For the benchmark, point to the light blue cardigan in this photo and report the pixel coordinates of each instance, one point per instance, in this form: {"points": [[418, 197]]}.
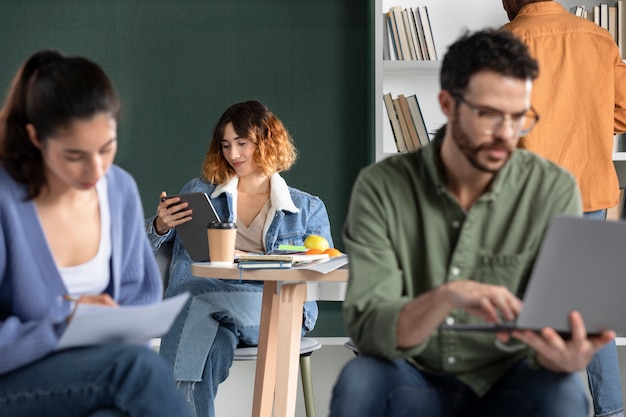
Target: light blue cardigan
{"points": [[32, 311]]}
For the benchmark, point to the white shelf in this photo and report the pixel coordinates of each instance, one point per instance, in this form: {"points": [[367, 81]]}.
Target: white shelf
{"points": [[412, 67]]}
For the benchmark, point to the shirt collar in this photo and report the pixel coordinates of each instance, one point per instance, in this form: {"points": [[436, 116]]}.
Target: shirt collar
{"points": [[542, 7], [279, 192]]}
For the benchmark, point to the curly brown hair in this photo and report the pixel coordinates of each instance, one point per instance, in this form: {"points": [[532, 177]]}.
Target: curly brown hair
{"points": [[251, 119]]}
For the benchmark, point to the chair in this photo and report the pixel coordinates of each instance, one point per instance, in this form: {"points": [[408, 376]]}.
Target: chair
{"points": [[350, 345], [249, 353]]}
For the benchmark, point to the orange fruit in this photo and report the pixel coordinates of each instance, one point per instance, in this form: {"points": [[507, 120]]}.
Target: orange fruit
{"points": [[332, 252], [313, 252]]}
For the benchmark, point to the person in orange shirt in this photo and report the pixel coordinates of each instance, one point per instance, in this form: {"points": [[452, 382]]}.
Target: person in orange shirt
{"points": [[581, 96]]}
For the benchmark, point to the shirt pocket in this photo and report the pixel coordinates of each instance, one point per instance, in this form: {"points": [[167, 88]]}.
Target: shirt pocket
{"points": [[509, 270]]}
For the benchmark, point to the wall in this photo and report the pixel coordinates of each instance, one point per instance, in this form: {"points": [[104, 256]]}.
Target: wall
{"points": [[178, 64]]}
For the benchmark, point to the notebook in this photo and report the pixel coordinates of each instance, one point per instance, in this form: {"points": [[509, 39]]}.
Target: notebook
{"points": [[273, 261], [193, 233], [580, 266]]}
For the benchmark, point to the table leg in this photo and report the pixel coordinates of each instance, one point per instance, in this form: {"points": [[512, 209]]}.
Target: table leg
{"points": [[265, 377], [289, 334]]}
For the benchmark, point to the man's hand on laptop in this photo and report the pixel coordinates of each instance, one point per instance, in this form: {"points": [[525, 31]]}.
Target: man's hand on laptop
{"points": [[560, 355], [489, 302]]}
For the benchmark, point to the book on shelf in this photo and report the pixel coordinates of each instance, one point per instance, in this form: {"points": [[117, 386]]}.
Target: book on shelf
{"points": [[395, 123], [409, 34], [428, 33], [393, 34], [407, 122], [418, 120], [387, 41], [408, 144], [406, 113], [419, 32], [577, 10], [613, 22], [403, 41], [413, 30], [594, 16], [604, 15], [415, 34]]}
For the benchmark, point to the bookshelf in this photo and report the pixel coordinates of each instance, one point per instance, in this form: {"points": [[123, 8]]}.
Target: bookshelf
{"points": [[448, 19]]}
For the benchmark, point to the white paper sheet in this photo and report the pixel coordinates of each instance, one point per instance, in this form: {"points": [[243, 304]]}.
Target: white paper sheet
{"points": [[326, 266], [94, 325]]}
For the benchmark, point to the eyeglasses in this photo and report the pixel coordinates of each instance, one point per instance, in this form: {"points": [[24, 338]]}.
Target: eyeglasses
{"points": [[490, 120]]}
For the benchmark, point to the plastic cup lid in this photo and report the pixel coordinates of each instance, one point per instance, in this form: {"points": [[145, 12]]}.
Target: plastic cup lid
{"points": [[222, 225]]}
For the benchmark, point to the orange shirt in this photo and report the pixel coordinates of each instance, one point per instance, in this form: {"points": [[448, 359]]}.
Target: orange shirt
{"points": [[580, 96]]}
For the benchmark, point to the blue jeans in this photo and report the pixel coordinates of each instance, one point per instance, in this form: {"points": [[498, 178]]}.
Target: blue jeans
{"points": [[110, 380], [374, 387], [603, 370], [230, 313]]}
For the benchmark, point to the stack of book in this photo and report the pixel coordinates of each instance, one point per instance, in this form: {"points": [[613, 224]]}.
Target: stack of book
{"points": [[407, 122], [408, 35], [610, 17], [277, 261]]}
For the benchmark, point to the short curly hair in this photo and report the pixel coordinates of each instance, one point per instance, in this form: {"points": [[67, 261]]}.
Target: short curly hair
{"points": [[488, 50], [275, 151]]}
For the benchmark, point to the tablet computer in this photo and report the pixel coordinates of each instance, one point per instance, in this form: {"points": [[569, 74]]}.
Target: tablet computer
{"points": [[193, 233]]}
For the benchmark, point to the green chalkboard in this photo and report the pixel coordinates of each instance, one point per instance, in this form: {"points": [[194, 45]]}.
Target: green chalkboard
{"points": [[178, 64]]}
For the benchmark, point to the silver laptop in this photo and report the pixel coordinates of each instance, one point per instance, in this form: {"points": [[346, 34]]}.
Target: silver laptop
{"points": [[581, 266], [193, 233]]}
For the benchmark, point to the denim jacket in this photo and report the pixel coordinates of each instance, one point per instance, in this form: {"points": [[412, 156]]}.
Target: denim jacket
{"points": [[293, 216]]}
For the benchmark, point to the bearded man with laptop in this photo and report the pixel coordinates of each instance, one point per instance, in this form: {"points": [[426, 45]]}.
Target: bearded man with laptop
{"points": [[449, 234]]}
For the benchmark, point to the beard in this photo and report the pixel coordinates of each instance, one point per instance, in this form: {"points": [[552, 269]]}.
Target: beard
{"points": [[477, 155]]}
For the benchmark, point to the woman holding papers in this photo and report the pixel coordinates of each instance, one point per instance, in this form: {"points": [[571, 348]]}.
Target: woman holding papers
{"points": [[240, 174], [71, 232]]}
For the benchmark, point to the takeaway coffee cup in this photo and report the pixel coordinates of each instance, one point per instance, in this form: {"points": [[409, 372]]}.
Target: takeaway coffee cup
{"points": [[221, 237]]}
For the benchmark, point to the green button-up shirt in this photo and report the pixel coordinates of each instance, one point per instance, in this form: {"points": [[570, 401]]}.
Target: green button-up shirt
{"points": [[406, 235]]}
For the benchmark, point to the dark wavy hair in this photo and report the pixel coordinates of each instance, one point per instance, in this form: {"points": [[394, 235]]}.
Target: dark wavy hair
{"points": [[252, 120], [50, 91], [487, 50]]}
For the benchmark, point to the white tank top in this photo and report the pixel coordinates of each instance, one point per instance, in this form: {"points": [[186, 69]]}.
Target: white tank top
{"points": [[93, 276]]}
